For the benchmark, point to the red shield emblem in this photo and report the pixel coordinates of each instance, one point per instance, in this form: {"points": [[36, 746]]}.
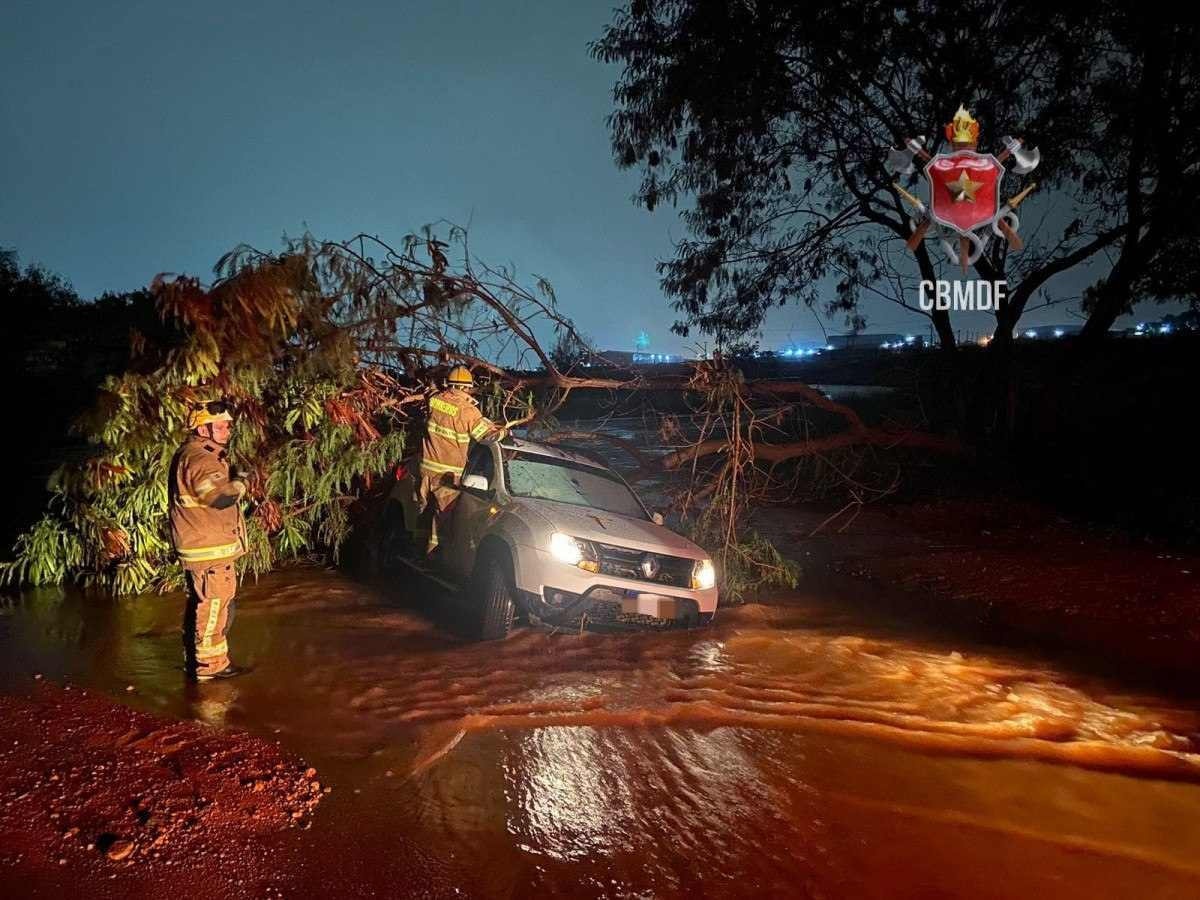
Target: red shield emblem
{"points": [[964, 188]]}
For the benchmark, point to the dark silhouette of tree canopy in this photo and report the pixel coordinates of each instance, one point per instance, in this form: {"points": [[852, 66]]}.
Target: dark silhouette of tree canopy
{"points": [[54, 331], [571, 351], [769, 121], [33, 288]]}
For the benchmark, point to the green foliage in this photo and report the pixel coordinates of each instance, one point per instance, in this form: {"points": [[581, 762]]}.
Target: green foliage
{"points": [[323, 350], [46, 552], [746, 566], [753, 565], [314, 427]]}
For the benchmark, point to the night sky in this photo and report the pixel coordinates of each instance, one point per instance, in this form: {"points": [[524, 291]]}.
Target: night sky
{"points": [[148, 137]]}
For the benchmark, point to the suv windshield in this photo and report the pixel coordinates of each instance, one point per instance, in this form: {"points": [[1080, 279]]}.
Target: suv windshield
{"points": [[547, 478]]}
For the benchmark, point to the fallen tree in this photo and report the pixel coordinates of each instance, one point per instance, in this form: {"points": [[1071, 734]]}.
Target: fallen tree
{"points": [[777, 453], [328, 351]]}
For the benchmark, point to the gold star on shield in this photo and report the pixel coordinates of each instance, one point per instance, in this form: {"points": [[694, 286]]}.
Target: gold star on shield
{"points": [[963, 190]]}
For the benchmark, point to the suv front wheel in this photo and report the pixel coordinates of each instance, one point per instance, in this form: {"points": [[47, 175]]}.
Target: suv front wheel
{"points": [[492, 592]]}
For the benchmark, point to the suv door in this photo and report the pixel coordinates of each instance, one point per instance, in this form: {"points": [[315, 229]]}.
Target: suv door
{"points": [[472, 511]]}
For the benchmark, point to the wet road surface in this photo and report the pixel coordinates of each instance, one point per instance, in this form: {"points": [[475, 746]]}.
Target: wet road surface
{"points": [[795, 749]]}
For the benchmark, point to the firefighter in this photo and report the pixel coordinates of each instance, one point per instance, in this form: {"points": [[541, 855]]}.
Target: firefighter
{"points": [[209, 534], [454, 421]]}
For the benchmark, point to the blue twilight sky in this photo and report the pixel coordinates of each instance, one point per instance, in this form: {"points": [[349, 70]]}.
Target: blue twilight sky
{"points": [[140, 137]]}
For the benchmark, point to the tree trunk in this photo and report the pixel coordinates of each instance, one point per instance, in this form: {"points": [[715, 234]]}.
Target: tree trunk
{"points": [[945, 331], [939, 317], [1112, 299], [777, 453]]}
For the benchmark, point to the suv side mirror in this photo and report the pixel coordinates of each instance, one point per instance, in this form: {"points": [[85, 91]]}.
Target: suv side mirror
{"points": [[475, 483], [656, 518]]}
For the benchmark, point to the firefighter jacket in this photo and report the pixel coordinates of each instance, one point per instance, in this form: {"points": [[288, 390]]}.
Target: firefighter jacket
{"points": [[206, 520], [454, 421]]}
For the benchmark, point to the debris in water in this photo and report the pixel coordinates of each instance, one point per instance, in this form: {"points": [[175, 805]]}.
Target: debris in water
{"points": [[120, 850]]}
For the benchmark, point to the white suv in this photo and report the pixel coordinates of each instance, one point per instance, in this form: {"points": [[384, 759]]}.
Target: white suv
{"points": [[561, 535]]}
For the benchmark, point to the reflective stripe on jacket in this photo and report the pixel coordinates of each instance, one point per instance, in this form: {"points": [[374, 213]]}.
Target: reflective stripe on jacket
{"points": [[206, 519], [454, 421]]}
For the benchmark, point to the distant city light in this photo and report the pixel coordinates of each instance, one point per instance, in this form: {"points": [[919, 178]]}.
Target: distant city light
{"points": [[1058, 332], [1164, 329], [909, 338], [654, 358], [1030, 333]]}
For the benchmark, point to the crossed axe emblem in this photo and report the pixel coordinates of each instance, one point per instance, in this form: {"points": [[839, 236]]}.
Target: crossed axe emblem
{"points": [[963, 133]]}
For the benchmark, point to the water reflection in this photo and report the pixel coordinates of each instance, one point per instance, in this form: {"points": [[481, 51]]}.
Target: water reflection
{"points": [[788, 750]]}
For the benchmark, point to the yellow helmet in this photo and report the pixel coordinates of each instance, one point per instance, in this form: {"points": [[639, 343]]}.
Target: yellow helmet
{"points": [[460, 376], [216, 411]]}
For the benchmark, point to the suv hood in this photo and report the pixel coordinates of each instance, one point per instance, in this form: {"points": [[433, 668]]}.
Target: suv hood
{"points": [[611, 528]]}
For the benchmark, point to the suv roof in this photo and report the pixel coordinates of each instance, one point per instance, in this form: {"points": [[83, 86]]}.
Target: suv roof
{"points": [[515, 443]]}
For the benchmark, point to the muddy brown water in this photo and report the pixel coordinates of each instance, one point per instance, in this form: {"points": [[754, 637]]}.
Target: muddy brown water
{"points": [[795, 749]]}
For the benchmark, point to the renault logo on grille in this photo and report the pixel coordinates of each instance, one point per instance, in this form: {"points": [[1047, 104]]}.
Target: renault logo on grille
{"points": [[650, 565]]}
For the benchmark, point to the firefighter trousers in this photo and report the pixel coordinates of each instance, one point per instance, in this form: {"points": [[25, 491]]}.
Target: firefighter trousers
{"points": [[207, 618], [436, 496]]}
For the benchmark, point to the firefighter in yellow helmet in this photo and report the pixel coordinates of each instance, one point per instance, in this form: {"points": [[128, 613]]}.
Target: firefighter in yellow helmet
{"points": [[454, 421], [209, 534]]}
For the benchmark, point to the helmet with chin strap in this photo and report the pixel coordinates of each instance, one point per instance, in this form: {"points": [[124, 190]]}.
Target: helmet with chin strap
{"points": [[207, 413]]}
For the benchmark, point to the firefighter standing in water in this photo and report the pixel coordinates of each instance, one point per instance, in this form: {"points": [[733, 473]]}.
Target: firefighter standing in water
{"points": [[209, 534], [454, 421]]}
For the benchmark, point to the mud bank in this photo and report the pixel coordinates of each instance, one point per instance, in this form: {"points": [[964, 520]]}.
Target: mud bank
{"points": [[1017, 572], [93, 794]]}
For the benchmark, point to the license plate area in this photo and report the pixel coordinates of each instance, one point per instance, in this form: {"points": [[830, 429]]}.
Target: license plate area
{"points": [[643, 603]]}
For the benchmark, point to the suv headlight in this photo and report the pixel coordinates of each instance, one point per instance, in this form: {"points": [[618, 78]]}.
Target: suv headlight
{"points": [[704, 575], [573, 552], [565, 548]]}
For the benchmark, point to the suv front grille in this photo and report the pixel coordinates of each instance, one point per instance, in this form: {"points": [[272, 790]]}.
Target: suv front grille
{"points": [[623, 562]]}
